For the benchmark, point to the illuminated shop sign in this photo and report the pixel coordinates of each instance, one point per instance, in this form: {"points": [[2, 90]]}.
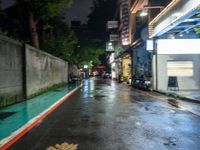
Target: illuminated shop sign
{"points": [[112, 57], [180, 68], [178, 46], [114, 37], [112, 24], [149, 45]]}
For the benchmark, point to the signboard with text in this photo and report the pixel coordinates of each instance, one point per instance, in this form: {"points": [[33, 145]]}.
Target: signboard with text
{"points": [[114, 37], [112, 24], [149, 45], [178, 46]]}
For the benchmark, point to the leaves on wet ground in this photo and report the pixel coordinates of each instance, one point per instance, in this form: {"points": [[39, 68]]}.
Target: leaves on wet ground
{"points": [[63, 146]]}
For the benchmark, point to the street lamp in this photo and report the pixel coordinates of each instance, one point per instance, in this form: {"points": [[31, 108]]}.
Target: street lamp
{"points": [[109, 44]]}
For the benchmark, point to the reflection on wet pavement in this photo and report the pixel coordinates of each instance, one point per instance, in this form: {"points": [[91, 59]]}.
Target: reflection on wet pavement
{"points": [[110, 116]]}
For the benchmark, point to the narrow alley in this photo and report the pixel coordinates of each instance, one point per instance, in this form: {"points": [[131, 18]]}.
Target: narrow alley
{"points": [[111, 116]]}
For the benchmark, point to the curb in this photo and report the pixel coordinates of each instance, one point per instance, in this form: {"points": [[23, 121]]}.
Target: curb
{"points": [[166, 101], [16, 135], [180, 97]]}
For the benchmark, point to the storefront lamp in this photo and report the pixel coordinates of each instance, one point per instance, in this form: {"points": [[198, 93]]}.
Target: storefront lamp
{"points": [[143, 13], [85, 66]]}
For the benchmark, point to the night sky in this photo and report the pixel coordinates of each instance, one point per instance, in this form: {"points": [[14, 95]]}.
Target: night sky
{"points": [[79, 10], [7, 3]]}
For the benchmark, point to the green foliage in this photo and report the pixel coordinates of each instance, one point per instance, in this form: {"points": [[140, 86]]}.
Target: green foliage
{"points": [[197, 30], [38, 13], [4, 33], [61, 45], [88, 52], [45, 10], [119, 49], [101, 12]]}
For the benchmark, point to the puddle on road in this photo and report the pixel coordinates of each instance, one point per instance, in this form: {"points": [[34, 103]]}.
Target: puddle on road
{"points": [[146, 108], [139, 99], [99, 97], [85, 118]]}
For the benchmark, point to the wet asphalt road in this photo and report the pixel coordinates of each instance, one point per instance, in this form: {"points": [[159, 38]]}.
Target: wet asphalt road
{"points": [[105, 115]]}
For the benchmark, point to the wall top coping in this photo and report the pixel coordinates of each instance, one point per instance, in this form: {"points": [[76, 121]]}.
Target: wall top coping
{"points": [[43, 52], [10, 40]]}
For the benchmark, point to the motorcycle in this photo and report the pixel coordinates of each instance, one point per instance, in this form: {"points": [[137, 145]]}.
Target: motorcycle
{"points": [[142, 83]]}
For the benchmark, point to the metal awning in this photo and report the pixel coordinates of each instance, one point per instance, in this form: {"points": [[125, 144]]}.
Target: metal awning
{"points": [[178, 17]]}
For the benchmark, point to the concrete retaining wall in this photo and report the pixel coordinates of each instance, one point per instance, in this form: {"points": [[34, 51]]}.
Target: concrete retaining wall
{"points": [[26, 71], [11, 84], [43, 70], [73, 69]]}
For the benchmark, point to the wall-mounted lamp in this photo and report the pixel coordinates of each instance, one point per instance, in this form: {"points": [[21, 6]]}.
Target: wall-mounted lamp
{"points": [[144, 13]]}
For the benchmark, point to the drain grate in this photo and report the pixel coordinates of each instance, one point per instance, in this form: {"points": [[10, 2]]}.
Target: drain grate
{"points": [[4, 115]]}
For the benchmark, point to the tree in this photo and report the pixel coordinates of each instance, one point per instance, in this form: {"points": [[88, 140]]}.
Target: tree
{"points": [[88, 49], [60, 40], [41, 12], [88, 52], [101, 12]]}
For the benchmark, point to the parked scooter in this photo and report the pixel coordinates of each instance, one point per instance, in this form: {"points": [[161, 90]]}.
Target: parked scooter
{"points": [[142, 83], [136, 82], [146, 83]]}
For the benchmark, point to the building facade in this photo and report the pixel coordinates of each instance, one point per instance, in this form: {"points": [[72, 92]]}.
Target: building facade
{"points": [[177, 46], [169, 27]]}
